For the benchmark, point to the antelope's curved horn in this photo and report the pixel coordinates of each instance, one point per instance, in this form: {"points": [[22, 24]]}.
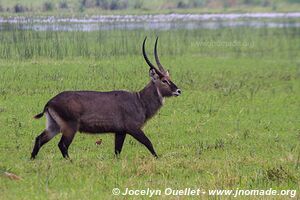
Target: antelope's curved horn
{"points": [[148, 61], [156, 57]]}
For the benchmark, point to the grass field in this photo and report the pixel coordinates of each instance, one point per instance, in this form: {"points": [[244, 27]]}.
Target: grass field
{"points": [[236, 125]]}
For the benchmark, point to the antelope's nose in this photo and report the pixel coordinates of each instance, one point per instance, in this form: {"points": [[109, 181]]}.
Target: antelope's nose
{"points": [[178, 91]]}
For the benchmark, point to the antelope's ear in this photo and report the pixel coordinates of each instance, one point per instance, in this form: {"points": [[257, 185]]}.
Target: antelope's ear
{"points": [[153, 75], [167, 73]]}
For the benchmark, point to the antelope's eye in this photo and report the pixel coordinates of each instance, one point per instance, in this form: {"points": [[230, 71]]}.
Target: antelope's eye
{"points": [[164, 81]]}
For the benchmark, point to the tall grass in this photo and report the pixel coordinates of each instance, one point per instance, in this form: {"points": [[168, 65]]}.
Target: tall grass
{"points": [[270, 42]]}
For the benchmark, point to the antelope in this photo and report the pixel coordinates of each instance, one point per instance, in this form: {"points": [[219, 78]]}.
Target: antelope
{"points": [[118, 112]]}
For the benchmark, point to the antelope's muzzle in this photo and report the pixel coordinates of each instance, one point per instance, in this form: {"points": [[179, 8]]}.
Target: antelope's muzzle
{"points": [[177, 92]]}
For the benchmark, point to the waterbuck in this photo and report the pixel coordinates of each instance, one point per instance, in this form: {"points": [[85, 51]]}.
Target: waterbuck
{"points": [[118, 112]]}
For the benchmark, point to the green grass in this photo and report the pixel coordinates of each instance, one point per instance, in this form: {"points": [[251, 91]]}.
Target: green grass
{"points": [[236, 124]]}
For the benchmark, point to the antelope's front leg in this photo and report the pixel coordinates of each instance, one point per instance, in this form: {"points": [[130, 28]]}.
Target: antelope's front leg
{"points": [[119, 141], [142, 138]]}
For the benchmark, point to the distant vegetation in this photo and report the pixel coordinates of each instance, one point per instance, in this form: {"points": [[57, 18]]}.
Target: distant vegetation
{"points": [[26, 44], [92, 6]]}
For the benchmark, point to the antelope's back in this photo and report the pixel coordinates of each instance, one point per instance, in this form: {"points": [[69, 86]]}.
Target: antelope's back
{"points": [[97, 112]]}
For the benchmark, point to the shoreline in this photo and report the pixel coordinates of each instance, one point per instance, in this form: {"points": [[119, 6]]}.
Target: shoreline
{"points": [[157, 18]]}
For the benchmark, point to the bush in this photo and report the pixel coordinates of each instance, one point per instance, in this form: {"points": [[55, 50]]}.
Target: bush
{"points": [[63, 5], [251, 2], [104, 4], [87, 3], [138, 4], [118, 5], [197, 3], [48, 6], [18, 8], [181, 4], [114, 5], [266, 3]]}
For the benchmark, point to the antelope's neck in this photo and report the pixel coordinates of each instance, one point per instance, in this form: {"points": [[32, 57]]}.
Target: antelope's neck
{"points": [[151, 100]]}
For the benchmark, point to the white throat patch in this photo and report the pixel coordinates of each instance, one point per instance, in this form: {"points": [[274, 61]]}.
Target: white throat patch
{"points": [[161, 98]]}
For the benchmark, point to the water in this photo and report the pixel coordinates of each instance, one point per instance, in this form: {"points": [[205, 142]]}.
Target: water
{"points": [[152, 22]]}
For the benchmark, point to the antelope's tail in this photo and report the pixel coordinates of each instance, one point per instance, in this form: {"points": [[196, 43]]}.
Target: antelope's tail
{"points": [[38, 116]]}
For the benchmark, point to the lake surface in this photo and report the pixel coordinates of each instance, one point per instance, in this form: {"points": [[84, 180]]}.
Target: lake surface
{"points": [[155, 22]]}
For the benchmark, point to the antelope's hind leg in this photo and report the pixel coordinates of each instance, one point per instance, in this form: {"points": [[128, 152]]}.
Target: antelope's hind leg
{"points": [[68, 133], [51, 130]]}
